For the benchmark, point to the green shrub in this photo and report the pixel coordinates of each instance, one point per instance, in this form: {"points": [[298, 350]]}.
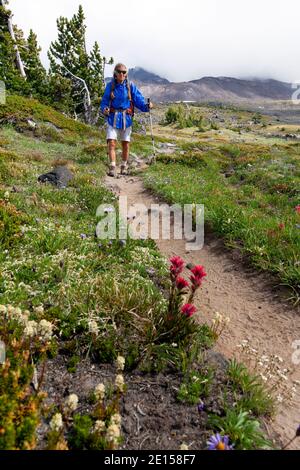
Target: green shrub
{"points": [[242, 430], [196, 385], [11, 221]]}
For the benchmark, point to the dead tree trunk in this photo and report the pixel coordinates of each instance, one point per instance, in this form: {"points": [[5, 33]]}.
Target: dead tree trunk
{"points": [[19, 61], [87, 102]]}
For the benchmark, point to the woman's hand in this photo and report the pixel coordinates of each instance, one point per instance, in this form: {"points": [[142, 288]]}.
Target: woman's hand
{"points": [[106, 111]]}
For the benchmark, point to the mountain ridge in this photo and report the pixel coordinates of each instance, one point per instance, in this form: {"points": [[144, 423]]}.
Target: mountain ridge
{"points": [[209, 88]]}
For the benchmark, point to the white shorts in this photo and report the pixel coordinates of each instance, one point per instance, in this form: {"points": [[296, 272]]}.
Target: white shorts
{"points": [[115, 134]]}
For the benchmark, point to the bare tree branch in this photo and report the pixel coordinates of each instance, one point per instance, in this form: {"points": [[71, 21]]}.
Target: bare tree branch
{"points": [[19, 61]]}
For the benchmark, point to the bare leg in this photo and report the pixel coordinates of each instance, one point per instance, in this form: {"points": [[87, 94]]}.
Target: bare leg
{"points": [[125, 151], [112, 150]]}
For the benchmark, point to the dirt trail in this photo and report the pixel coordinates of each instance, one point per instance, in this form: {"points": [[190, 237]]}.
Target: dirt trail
{"points": [[257, 312]]}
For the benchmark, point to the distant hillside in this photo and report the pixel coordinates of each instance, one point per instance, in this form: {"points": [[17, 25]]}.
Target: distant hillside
{"points": [[219, 89]]}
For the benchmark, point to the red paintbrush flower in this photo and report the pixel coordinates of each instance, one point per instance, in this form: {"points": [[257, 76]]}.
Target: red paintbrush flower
{"points": [[188, 310], [198, 273], [181, 283], [177, 265], [297, 209], [281, 226]]}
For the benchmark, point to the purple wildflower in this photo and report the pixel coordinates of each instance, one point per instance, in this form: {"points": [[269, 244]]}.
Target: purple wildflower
{"points": [[218, 442], [201, 406], [83, 236]]}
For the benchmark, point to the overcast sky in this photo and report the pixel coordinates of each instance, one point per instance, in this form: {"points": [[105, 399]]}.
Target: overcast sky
{"points": [[182, 40]]}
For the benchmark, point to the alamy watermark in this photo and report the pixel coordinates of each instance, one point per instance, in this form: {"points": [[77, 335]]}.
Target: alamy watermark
{"points": [[157, 222], [2, 92]]}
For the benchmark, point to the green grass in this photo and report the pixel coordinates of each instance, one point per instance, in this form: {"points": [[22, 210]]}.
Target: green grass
{"points": [[49, 255], [249, 193]]}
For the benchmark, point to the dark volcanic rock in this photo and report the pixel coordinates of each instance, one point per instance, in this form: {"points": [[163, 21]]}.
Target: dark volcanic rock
{"points": [[59, 176]]}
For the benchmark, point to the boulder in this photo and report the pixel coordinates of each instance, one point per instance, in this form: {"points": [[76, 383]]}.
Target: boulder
{"points": [[59, 176]]}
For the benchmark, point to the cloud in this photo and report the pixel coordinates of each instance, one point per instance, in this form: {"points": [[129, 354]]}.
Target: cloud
{"points": [[185, 40]]}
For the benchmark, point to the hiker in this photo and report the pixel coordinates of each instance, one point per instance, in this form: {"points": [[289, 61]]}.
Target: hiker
{"points": [[118, 102]]}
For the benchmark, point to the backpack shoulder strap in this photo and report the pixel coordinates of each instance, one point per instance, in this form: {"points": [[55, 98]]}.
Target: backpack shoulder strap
{"points": [[129, 90], [112, 89]]}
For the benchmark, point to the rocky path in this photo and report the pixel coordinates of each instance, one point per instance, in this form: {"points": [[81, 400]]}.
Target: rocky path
{"points": [[257, 311]]}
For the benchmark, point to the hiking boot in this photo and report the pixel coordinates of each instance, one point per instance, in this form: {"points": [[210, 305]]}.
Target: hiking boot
{"points": [[112, 171], [124, 170]]}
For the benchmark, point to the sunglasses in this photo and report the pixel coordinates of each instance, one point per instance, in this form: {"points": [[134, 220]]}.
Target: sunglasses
{"points": [[122, 71]]}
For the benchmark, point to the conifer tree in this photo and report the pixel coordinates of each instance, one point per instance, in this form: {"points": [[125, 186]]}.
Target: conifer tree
{"points": [[70, 59], [35, 71]]}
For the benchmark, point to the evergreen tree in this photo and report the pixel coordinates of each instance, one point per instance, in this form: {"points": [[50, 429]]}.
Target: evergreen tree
{"points": [[70, 59], [35, 71]]}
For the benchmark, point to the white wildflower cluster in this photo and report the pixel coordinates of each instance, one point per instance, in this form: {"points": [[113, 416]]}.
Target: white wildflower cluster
{"points": [[99, 426], [93, 327], [100, 392], [113, 434], [119, 383], [116, 419], [183, 446], [71, 403], [56, 422], [271, 371], [219, 323], [120, 363], [43, 330], [148, 258]]}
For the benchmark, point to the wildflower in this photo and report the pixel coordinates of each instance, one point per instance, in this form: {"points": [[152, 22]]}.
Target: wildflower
{"points": [[39, 310], [93, 327], [71, 402], [218, 442], [198, 273], [177, 264], [30, 329], [297, 209], [181, 283], [45, 329], [113, 433], [116, 419], [119, 382], [201, 406], [56, 422], [279, 398], [100, 392], [183, 446], [281, 226], [188, 310], [10, 309], [120, 363], [99, 426], [6, 195], [83, 236], [3, 309]]}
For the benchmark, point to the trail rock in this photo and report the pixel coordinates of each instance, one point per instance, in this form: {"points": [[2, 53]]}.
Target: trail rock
{"points": [[59, 176]]}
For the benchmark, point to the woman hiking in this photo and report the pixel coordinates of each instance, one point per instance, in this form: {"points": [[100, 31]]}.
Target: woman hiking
{"points": [[118, 102]]}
